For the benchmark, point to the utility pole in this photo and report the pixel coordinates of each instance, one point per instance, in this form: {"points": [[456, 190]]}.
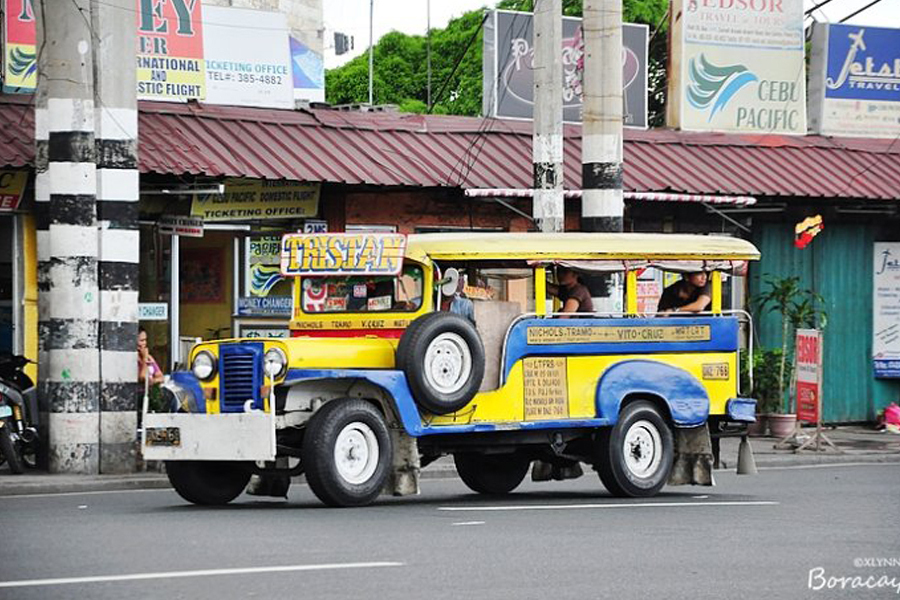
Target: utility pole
{"points": [[371, 47], [428, 51], [65, 195], [547, 142], [602, 204], [116, 128]]}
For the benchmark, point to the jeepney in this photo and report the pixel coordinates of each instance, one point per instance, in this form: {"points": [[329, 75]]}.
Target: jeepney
{"points": [[408, 348]]}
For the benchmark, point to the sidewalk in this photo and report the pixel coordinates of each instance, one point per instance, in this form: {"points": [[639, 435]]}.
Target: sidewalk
{"points": [[859, 444]]}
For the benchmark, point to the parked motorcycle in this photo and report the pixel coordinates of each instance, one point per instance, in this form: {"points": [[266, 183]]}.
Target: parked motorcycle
{"points": [[18, 414]]}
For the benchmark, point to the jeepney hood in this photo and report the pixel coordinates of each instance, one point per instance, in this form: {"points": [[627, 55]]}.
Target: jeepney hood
{"points": [[341, 353]]}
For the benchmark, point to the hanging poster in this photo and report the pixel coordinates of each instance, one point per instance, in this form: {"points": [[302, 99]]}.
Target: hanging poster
{"points": [[738, 66], [19, 41], [886, 310], [12, 188], [170, 63]]}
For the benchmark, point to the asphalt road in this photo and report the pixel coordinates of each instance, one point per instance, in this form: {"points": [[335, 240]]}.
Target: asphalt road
{"points": [[748, 537]]}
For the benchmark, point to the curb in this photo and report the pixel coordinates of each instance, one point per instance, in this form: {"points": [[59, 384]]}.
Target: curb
{"points": [[91, 484]]}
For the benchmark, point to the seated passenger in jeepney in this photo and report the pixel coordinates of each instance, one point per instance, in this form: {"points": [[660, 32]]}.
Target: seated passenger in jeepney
{"points": [[690, 295], [572, 293]]}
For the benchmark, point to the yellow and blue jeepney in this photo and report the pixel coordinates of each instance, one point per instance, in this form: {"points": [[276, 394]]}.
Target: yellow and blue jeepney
{"points": [[408, 348]]}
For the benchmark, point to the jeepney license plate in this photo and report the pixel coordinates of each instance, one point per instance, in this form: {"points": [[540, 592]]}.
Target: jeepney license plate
{"points": [[163, 436], [715, 371]]}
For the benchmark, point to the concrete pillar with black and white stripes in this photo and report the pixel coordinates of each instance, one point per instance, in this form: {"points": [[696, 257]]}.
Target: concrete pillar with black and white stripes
{"points": [[65, 194], [602, 201], [115, 109]]}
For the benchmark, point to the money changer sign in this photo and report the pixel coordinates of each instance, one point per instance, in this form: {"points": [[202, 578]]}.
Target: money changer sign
{"points": [[258, 199]]}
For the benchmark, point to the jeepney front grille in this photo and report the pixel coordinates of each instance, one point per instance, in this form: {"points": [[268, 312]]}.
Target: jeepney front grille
{"points": [[241, 375]]}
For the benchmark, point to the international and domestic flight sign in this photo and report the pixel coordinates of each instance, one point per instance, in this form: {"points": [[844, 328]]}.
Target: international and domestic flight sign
{"points": [[342, 253], [854, 81], [170, 63]]}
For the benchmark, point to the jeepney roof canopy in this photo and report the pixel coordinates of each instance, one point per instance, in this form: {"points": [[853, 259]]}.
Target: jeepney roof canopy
{"points": [[558, 247]]}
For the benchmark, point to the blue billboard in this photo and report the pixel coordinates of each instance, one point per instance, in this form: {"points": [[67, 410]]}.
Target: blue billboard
{"points": [[863, 63]]}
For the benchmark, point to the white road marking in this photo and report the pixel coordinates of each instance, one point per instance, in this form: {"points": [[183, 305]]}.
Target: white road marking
{"points": [[464, 523], [584, 506], [201, 573], [85, 493], [890, 463]]}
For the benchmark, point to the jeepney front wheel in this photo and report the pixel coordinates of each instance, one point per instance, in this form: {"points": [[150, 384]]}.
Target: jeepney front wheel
{"points": [[634, 458], [206, 482], [347, 453], [491, 474]]}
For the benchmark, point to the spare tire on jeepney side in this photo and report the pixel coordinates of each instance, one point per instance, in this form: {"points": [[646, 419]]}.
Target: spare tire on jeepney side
{"points": [[442, 356]]}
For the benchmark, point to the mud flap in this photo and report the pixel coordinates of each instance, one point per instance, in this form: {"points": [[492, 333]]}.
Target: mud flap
{"points": [[404, 479], [693, 457]]}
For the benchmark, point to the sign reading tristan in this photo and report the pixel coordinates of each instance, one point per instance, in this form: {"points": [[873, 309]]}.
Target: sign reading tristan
{"points": [[854, 81], [170, 62], [342, 254], [738, 66]]}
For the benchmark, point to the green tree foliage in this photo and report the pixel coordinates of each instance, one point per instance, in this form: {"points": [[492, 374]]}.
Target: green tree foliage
{"points": [[400, 75]]}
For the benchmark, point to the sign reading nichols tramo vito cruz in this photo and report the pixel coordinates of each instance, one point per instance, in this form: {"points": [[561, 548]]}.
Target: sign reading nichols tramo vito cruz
{"points": [[854, 81], [738, 66], [170, 62]]}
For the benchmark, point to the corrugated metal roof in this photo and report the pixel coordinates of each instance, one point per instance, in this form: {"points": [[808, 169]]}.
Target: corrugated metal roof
{"points": [[390, 149]]}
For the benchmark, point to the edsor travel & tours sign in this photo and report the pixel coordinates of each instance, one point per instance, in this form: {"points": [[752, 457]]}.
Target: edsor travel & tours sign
{"points": [[854, 81], [738, 66]]}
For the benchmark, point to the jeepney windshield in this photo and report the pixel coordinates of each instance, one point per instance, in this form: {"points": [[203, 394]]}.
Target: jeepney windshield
{"points": [[364, 293]]}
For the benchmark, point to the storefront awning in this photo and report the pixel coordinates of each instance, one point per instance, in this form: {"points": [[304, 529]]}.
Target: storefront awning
{"points": [[641, 196]]}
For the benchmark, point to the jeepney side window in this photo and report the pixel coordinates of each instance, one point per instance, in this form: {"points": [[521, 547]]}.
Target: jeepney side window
{"points": [[365, 293]]}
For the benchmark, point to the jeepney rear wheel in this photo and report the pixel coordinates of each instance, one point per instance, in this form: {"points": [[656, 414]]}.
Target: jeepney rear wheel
{"points": [[492, 474], [208, 483], [634, 458], [347, 453], [442, 356]]}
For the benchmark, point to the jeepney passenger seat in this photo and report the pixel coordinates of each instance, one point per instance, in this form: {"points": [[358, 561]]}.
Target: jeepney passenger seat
{"points": [[492, 319]]}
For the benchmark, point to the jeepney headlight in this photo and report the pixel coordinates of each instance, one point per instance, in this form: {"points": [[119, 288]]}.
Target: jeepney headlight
{"points": [[275, 362], [204, 366]]}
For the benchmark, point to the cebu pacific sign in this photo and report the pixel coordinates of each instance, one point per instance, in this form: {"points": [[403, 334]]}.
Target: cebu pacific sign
{"points": [[738, 66]]}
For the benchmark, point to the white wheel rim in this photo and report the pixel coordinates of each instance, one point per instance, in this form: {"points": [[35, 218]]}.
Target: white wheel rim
{"points": [[356, 453], [642, 449], [448, 363]]}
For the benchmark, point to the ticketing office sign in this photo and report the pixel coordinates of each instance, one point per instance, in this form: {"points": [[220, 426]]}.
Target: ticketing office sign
{"points": [[342, 254]]}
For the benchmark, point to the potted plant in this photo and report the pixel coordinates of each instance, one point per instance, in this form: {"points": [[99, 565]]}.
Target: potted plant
{"points": [[765, 387], [797, 308]]}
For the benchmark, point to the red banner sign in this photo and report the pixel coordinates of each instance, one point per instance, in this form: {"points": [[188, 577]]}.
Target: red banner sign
{"points": [[19, 41], [809, 375], [170, 63]]}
